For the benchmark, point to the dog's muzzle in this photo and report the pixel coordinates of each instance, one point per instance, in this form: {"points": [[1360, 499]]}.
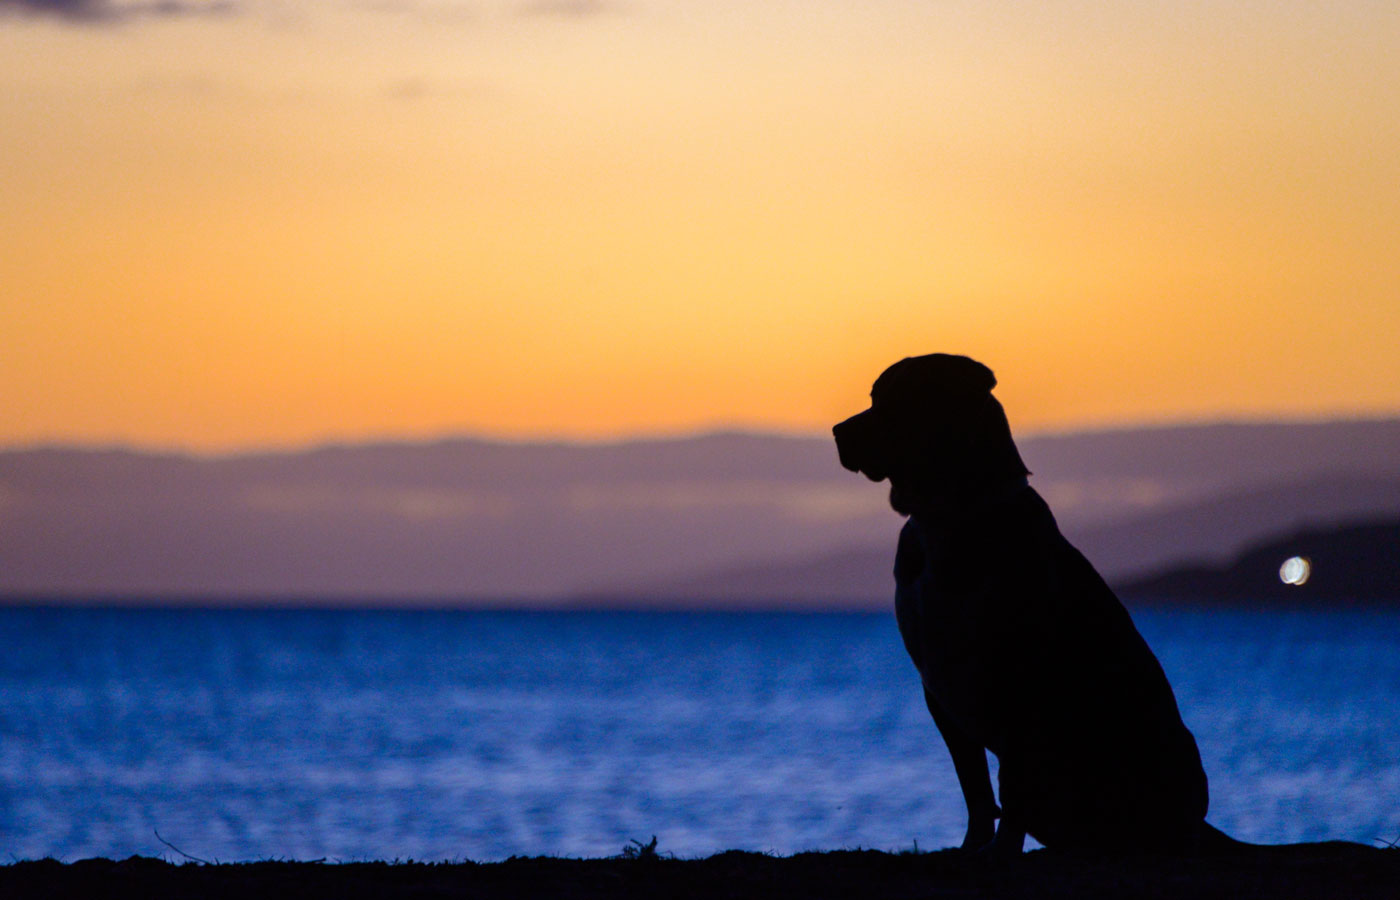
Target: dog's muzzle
{"points": [[859, 444]]}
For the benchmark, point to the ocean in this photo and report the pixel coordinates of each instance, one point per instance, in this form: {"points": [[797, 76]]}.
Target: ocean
{"points": [[431, 735]]}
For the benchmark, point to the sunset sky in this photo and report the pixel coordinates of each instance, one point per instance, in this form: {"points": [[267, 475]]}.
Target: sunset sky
{"points": [[257, 223]]}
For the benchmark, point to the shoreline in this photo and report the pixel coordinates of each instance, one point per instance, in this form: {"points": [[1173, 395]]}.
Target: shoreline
{"points": [[1283, 872]]}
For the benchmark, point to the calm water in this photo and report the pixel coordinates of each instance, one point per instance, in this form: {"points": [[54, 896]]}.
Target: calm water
{"points": [[351, 735]]}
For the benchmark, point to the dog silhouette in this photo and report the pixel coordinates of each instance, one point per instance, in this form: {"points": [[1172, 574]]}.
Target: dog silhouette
{"points": [[1022, 648]]}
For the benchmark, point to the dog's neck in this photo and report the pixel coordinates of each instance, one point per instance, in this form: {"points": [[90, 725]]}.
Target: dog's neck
{"points": [[1001, 492], [984, 499]]}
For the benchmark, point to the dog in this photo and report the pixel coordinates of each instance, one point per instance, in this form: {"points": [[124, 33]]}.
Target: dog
{"points": [[1022, 647]]}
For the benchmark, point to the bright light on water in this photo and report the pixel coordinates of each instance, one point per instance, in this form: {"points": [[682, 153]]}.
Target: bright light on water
{"points": [[1295, 570]]}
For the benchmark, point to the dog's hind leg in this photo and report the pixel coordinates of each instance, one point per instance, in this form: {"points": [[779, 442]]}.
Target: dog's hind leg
{"points": [[970, 762]]}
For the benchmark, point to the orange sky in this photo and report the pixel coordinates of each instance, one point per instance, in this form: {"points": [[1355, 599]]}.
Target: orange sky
{"points": [[286, 222]]}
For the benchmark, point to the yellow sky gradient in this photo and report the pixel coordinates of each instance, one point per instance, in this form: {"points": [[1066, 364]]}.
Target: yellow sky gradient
{"points": [[293, 222]]}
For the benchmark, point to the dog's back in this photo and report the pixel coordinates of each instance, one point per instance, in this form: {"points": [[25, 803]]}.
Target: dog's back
{"points": [[1023, 644]]}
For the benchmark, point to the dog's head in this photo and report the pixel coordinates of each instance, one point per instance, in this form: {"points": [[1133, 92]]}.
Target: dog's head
{"points": [[934, 430]]}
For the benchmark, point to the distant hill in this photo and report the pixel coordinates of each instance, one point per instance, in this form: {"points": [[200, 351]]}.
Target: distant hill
{"points": [[1214, 530], [467, 521], [1123, 552], [1350, 564]]}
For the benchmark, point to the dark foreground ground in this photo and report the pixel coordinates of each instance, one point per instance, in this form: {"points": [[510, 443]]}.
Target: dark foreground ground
{"points": [[1312, 871]]}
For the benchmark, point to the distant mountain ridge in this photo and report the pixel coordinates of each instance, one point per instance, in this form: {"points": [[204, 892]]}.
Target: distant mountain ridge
{"points": [[469, 521], [1353, 564], [1194, 536]]}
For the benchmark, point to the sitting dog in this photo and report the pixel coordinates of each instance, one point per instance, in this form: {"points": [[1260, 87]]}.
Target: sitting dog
{"points": [[1022, 648]]}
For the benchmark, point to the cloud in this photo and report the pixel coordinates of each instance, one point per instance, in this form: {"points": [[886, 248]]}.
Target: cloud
{"points": [[566, 8], [112, 11], [435, 11], [810, 502], [460, 11], [99, 12], [412, 504], [194, 86], [415, 89], [409, 89]]}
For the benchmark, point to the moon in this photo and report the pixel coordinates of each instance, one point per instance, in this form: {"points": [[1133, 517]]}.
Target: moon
{"points": [[1295, 571]]}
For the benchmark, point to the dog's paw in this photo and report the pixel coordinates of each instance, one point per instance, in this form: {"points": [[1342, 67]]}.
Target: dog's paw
{"points": [[1006, 844], [979, 835]]}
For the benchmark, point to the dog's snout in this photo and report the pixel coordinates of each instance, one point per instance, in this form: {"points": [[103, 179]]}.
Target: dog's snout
{"points": [[846, 440], [856, 447]]}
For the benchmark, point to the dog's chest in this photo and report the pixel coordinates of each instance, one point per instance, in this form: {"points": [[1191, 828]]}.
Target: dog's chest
{"points": [[940, 613]]}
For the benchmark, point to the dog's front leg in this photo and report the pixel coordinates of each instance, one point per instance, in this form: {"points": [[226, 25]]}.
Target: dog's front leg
{"points": [[1009, 842], [970, 762]]}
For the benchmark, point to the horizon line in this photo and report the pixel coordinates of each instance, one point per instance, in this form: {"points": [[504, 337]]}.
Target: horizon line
{"points": [[546, 439], [568, 603]]}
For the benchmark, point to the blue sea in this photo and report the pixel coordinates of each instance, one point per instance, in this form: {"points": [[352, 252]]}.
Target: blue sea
{"points": [[346, 735]]}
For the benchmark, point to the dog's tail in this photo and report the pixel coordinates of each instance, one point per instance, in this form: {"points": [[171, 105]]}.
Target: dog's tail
{"points": [[1211, 841]]}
